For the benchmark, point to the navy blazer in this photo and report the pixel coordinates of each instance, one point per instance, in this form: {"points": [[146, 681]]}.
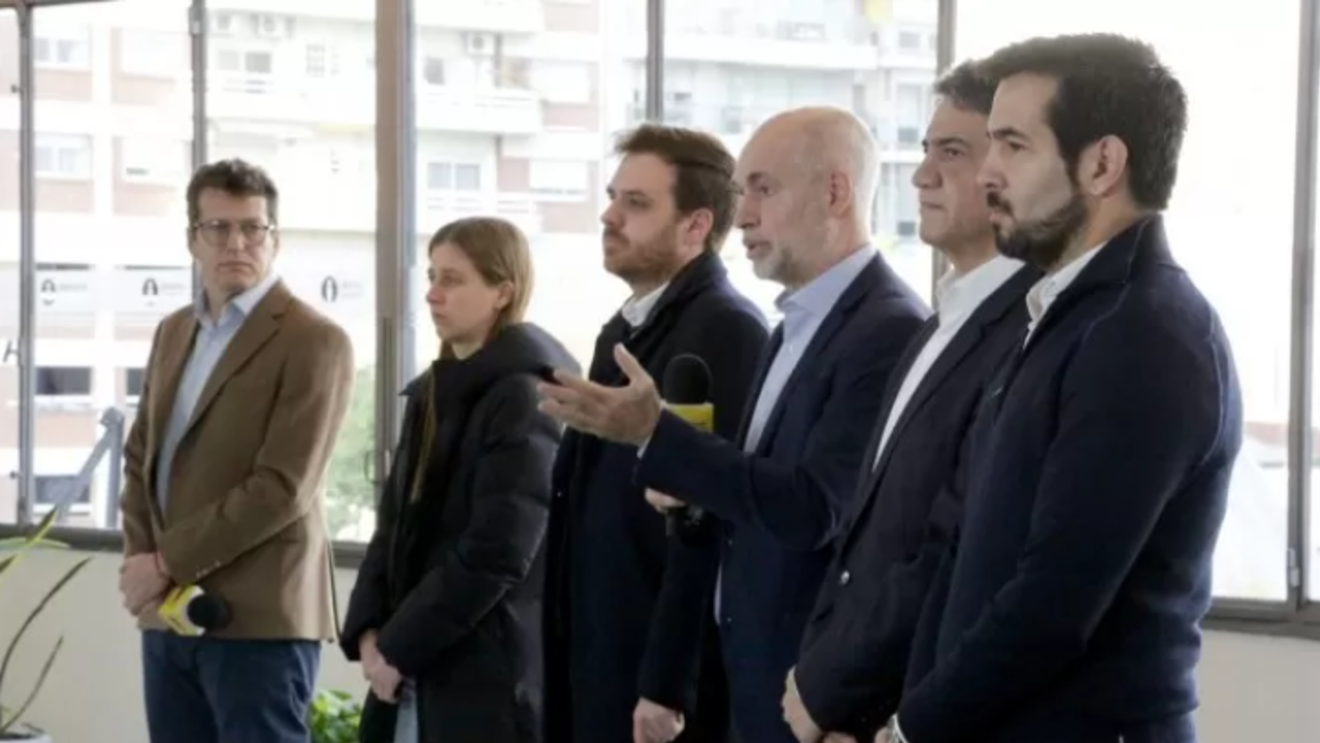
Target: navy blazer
{"points": [[627, 612], [1070, 605], [781, 507], [855, 650]]}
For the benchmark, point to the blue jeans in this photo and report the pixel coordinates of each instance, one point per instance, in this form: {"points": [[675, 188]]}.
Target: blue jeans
{"points": [[209, 690], [406, 728]]}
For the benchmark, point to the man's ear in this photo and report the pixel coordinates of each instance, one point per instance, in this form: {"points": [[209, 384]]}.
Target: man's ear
{"points": [[699, 226], [1102, 166]]}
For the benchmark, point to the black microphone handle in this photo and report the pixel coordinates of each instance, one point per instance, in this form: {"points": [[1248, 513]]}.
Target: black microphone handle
{"points": [[673, 521], [675, 517]]}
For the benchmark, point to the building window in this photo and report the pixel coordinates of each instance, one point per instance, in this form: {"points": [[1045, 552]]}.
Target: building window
{"points": [[558, 178], [433, 70], [244, 70], [322, 61], [64, 381], [445, 176], [135, 378], [908, 205], [153, 161], [67, 48], [63, 156]]}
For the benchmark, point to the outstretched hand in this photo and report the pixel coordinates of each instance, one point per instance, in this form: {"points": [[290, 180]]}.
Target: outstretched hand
{"points": [[625, 415]]}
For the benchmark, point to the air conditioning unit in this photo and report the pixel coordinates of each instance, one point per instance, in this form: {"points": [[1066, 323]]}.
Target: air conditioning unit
{"points": [[479, 44], [273, 26], [222, 24]]}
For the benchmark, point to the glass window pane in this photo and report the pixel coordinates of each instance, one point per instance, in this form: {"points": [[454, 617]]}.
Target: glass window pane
{"points": [[842, 54], [9, 273], [519, 126], [1211, 217], [301, 104], [98, 214]]}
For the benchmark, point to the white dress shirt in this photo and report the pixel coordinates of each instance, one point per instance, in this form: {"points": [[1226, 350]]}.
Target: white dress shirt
{"points": [[956, 297], [637, 310], [1048, 289]]}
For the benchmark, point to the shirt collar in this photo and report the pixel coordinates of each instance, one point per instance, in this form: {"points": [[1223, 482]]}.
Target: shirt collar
{"points": [[961, 293], [637, 310], [820, 294], [1048, 289], [243, 303]]}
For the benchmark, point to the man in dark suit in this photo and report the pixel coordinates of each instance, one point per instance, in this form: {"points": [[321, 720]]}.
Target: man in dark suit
{"points": [[780, 490], [631, 648], [1069, 608], [850, 667]]}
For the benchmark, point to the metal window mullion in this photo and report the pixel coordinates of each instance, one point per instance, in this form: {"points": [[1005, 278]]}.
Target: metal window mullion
{"points": [[27, 268], [1303, 291], [198, 33], [396, 232], [945, 44], [655, 60]]}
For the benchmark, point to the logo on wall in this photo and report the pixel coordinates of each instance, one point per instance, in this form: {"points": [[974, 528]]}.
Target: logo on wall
{"points": [[330, 289], [150, 288], [47, 292]]}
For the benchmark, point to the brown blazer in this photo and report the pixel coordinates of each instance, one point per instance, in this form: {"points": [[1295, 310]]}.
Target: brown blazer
{"points": [[245, 518]]}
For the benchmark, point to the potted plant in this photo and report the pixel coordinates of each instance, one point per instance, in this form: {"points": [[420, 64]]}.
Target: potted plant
{"points": [[334, 717], [12, 727]]}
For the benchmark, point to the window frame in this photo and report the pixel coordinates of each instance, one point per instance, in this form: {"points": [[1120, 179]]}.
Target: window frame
{"points": [[1296, 616]]}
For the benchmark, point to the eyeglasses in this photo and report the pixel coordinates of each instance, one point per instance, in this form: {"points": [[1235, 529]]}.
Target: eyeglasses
{"points": [[216, 232]]}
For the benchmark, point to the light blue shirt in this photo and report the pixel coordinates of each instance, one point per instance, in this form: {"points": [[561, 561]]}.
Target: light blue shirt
{"points": [[804, 311], [213, 337]]}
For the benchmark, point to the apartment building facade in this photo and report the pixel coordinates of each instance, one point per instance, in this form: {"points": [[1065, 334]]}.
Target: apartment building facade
{"points": [[516, 104]]}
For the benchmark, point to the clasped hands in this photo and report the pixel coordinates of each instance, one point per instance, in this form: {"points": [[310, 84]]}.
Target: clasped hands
{"points": [[143, 581], [383, 677], [804, 728]]}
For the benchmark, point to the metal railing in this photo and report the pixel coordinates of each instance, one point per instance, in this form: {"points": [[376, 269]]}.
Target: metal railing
{"points": [[111, 445]]}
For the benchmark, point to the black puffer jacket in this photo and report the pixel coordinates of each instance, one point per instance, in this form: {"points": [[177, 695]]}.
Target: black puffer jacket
{"points": [[452, 580]]}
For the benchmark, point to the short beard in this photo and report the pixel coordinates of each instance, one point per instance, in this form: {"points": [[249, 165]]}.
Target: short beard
{"points": [[653, 260], [1043, 242]]}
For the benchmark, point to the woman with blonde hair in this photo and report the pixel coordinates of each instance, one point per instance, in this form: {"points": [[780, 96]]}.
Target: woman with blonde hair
{"points": [[445, 616]]}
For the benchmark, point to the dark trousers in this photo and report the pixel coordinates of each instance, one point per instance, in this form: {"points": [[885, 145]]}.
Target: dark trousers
{"points": [[207, 690]]}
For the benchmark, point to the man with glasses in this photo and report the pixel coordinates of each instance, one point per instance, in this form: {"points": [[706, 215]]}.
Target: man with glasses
{"points": [[244, 394]]}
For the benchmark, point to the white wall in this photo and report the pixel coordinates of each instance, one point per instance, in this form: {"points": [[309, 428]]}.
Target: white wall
{"points": [[1253, 688]]}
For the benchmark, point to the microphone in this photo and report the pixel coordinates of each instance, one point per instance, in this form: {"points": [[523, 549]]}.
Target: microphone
{"points": [[686, 391], [190, 611]]}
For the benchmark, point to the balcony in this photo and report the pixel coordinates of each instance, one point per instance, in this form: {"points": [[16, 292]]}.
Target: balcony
{"points": [[734, 124], [441, 207], [503, 16], [489, 110], [840, 44], [348, 208], [350, 105], [499, 16], [268, 98]]}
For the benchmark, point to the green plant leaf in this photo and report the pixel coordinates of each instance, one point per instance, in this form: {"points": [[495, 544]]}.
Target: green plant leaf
{"points": [[41, 606], [44, 526], [36, 688]]}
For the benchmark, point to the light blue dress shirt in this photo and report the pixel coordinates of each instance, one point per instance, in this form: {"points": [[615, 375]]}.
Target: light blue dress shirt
{"points": [[213, 337], [804, 310]]}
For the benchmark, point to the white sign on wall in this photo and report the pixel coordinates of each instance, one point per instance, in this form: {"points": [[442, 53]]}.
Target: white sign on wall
{"points": [[154, 291], [334, 292]]}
